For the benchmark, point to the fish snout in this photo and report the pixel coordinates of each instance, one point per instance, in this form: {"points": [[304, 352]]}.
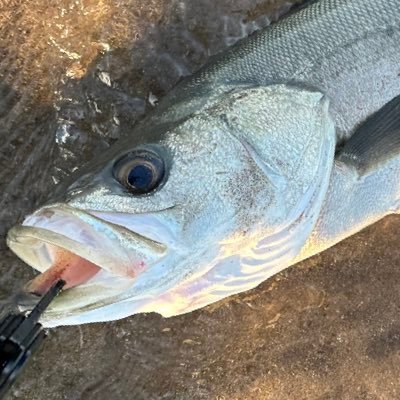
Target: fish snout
{"points": [[72, 244]]}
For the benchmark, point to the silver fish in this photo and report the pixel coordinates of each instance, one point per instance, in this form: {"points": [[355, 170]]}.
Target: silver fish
{"points": [[275, 151]]}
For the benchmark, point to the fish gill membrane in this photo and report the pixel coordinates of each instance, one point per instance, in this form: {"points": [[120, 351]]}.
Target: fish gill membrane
{"points": [[241, 197], [239, 167]]}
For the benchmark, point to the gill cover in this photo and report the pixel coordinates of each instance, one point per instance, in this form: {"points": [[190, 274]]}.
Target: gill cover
{"points": [[289, 139]]}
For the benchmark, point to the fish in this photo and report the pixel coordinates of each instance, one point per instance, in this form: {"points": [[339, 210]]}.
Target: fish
{"points": [[276, 150]]}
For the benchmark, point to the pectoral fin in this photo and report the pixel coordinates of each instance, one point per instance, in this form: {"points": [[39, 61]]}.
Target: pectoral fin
{"points": [[375, 141]]}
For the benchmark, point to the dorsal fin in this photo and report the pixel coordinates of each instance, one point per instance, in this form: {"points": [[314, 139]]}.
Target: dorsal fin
{"points": [[376, 140]]}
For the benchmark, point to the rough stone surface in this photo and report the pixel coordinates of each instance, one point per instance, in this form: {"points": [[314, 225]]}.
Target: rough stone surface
{"points": [[75, 76]]}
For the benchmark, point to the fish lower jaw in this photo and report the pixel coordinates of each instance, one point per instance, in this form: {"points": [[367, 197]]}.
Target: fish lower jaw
{"points": [[58, 257]]}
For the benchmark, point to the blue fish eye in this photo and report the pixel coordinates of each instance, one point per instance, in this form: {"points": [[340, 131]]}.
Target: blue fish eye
{"points": [[140, 176], [140, 171]]}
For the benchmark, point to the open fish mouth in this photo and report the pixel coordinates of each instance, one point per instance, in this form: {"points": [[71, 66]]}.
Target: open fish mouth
{"points": [[66, 243]]}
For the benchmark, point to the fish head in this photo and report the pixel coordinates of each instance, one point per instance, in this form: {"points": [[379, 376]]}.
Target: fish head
{"points": [[224, 198]]}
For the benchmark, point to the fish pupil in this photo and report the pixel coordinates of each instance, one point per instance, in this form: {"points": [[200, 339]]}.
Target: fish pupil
{"points": [[140, 177]]}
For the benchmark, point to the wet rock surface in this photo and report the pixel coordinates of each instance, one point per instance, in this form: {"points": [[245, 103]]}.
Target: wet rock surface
{"points": [[77, 75]]}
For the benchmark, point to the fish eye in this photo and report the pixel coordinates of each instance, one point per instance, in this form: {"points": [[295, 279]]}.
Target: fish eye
{"points": [[140, 171]]}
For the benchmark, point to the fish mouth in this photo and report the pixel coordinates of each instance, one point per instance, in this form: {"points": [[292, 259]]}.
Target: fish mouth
{"points": [[86, 251]]}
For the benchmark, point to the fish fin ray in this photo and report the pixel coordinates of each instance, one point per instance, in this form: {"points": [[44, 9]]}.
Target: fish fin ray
{"points": [[375, 141]]}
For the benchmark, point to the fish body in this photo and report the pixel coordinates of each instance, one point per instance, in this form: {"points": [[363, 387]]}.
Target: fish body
{"points": [[273, 152]]}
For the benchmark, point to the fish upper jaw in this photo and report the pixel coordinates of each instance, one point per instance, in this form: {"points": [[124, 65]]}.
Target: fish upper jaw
{"points": [[69, 236]]}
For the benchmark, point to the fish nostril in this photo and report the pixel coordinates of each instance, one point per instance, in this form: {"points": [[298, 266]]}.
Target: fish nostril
{"points": [[47, 213]]}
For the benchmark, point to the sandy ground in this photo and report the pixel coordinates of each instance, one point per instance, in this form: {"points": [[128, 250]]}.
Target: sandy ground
{"points": [[75, 76]]}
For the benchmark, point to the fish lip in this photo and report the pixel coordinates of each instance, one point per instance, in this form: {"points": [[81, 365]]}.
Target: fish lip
{"points": [[30, 240], [161, 232], [23, 236]]}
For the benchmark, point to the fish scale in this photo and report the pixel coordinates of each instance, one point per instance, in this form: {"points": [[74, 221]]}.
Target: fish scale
{"points": [[293, 50]]}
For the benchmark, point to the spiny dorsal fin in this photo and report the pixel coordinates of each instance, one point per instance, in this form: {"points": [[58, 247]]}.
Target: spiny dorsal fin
{"points": [[376, 140]]}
